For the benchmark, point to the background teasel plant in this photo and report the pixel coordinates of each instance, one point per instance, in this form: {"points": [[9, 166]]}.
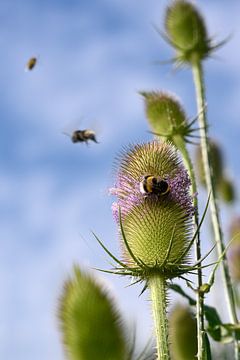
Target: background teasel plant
{"points": [[227, 190], [216, 157], [167, 117], [183, 333], [234, 251], [224, 186], [186, 31], [90, 323]]}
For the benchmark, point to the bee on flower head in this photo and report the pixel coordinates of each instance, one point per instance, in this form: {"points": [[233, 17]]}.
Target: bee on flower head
{"points": [[154, 185], [31, 63], [83, 136]]}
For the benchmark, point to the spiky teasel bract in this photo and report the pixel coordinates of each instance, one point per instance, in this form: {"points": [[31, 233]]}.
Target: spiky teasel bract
{"points": [[156, 230], [90, 323], [186, 31]]}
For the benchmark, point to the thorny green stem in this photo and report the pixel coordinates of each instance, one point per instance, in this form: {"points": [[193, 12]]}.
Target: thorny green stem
{"points": [[200, 94], [157, 287], [199, 296]]}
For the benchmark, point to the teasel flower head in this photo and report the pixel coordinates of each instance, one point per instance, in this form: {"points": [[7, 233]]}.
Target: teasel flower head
{"points": [[167, 117], [154, 210], [234, 251], [186, 31]]}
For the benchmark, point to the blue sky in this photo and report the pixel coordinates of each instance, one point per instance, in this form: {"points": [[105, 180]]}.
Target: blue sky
{"points": [[93, 58]]}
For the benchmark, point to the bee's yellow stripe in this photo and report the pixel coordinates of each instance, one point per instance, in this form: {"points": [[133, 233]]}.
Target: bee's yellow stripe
{"points": [[149, 184]]}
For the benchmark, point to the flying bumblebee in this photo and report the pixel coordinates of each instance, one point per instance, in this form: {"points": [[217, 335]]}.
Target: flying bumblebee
{"points": [[83, 136], [31, 63], [154, 185]]}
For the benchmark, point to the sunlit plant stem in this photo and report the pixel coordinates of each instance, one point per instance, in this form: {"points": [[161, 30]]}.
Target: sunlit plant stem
{"points": [[157, 287], [199, 296], [200, 94]]}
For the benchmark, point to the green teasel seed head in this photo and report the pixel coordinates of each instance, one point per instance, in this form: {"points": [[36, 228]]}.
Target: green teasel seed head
{"points": [[234, 229], [164, 112], [234, 261], [90, 324], [186, 31], [157, 227], [167, 118], [182, 333], [216, 160], [234, 250], [226, 190]]}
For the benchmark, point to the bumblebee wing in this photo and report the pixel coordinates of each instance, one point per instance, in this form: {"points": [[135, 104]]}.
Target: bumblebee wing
{"points": [[95, 127], [71, 126], [65, 133]]}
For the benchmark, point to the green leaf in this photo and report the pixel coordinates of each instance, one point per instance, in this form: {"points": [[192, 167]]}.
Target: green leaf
{"points": [[224, 333], [179, 290], [207, 349], [214, 322], [227, 332]]}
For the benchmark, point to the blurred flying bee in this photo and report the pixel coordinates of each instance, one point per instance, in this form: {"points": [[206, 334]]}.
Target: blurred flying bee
{"points": [[31, 63], [83, 136], [154, 185]]}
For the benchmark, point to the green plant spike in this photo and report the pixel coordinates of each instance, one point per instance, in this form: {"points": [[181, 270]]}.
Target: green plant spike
{"points": [[137, 261], [197, 230], [108, 252], [213, 272], [170, 247]]}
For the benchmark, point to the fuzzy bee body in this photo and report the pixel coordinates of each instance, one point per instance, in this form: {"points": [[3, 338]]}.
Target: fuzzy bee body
{"points": [[83, 136], [154, 185], [31, 63]]}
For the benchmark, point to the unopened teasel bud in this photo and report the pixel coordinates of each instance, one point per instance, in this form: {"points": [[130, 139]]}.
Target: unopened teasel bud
{"points": [[165, 114], [186, 31], [226, 190], [234, 251], [216, 159], [183, 333], [90, 323]]}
